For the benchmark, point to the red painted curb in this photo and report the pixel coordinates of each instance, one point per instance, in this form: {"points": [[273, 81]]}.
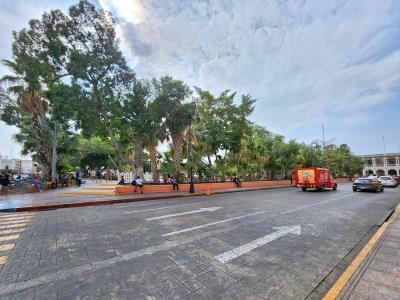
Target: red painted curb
{"points": [[125, 200]]}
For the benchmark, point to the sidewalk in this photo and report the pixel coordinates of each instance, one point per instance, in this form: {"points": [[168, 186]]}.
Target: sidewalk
{"points": [[378, 277], [54, 199]]}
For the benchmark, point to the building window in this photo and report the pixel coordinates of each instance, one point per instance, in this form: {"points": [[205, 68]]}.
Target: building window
{"points": [[391, 161], [378, 161]]}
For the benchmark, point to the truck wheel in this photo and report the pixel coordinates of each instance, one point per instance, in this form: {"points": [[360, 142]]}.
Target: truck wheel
{"points": [[382, 189], [354, 189], [335, 187], [304, 189]]}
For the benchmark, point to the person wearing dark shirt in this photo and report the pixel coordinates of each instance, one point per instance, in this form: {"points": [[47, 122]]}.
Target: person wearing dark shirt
{"points": [[5, 182]]}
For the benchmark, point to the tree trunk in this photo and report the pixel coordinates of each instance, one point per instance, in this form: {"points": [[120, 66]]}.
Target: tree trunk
{"points": [[138, 159], [177, 153], [153, 162], [41, 145]]}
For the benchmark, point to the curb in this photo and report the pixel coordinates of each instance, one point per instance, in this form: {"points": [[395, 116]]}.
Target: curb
{"points": [[348, 275], [124, 200]]}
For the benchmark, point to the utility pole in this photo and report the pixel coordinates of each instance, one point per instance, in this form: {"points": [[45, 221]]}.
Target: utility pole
{"points": [[54, 154], [323, 138]]}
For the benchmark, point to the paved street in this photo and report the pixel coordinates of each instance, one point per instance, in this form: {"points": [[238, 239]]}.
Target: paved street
{"points": [[280, 244]]}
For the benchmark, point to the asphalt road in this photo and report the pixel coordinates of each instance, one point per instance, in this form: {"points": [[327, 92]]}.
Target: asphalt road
{"points": [[274, 244]]}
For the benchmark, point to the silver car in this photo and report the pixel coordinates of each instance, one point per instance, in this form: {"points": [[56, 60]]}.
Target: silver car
{"points": [[388, 181]]}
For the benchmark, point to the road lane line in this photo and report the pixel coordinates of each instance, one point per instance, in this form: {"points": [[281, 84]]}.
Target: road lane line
{"points": [[232, 219], [340, 194], [159, 208], [204, 209], [243, 249], [147, 204], [213, 223], [98, 265], [314, 204]]}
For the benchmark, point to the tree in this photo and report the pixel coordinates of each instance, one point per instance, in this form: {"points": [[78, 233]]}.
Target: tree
{"points": [[222, 124], [28, 104], [79, 49], [135, 114], [170, 96]]}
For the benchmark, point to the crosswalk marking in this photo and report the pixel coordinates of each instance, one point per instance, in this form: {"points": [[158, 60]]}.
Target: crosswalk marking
{"points": [[9, 238], [10, 231], [14, 222], [13, 226], [14, 218], [3, 260], [8, 215], [10, 227], [7, 247]]}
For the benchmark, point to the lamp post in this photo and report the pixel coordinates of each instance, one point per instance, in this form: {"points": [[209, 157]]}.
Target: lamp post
{"points": [[190, 154]]}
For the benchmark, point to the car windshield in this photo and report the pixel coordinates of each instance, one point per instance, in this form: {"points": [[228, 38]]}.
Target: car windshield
{"points": [[363, 180], [385, 178]]}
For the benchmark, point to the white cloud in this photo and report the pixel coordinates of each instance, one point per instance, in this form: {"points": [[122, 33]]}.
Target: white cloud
{"points": [[306, 61]]}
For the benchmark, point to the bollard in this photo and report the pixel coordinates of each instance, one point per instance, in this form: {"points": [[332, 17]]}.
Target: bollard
{"points": [[208, 191]]}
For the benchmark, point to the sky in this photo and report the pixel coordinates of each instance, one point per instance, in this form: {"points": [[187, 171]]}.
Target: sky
{"points": [[307, 62]]}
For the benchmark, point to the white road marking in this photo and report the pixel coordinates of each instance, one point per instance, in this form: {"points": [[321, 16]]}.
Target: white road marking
{"points": [[204, 209], [339, 194], [314, 204], [213, 223], [159, 208], [98, 265], [146, 204], [236, 252]]}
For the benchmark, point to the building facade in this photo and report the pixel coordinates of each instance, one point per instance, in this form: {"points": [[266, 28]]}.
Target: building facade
{"points": [[17, 166], [381, 164]]}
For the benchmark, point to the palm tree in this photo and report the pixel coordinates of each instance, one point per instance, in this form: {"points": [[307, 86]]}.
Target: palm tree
{"points": [[155, 133], [30, 101]]}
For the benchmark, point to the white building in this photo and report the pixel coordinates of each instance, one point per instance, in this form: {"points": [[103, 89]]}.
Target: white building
{"points": [[381, 164], [17, 166]]}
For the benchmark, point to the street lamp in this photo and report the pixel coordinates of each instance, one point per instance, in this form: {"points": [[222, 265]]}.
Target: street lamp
{"points": [[190, 154]]}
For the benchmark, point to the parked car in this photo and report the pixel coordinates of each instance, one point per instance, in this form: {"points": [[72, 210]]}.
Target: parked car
{"points": [[367, 184], [388, 181]]}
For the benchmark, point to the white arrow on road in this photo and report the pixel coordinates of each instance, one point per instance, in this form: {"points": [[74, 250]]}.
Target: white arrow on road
{"points": [[185, 213], [236, 252]]}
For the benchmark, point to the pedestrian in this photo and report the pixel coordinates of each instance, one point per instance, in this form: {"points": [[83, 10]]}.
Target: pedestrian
{"points": [[139, 183], [98, 175], [5, 182], [236, 180], [175, 185], [134, 184], [78, 180], [121, 181]]}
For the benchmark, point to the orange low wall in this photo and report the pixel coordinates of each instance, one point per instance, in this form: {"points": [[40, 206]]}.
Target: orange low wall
{"points": [[162, 188]]}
